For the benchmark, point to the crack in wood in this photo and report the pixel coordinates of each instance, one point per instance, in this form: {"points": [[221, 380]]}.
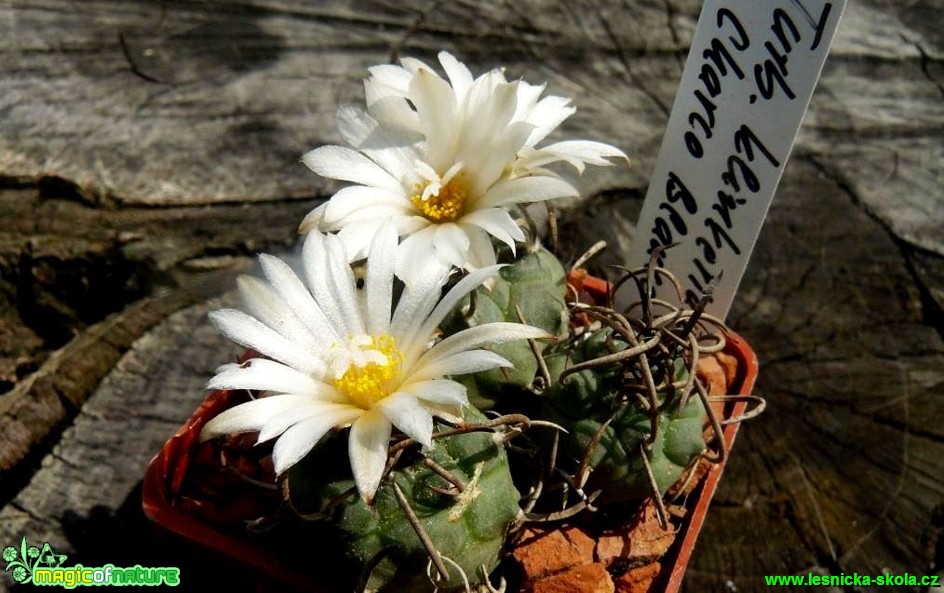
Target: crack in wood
{"points": [[926, 61], [681, 50], [71, 374], [932, 310], [663, 107]]}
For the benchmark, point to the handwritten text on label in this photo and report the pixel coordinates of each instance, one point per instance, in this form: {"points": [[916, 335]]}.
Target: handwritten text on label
{"points": [[746, 85]]}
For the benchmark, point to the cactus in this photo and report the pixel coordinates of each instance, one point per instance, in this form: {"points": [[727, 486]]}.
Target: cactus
{"points": [[668, 435], [624, 392], [467, 527], [632, 421], [534, 286], [587, 400]]}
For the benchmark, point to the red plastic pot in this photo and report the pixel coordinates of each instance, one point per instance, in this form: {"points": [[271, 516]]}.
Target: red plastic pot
{"points": [[744, 385], [163, 482]]}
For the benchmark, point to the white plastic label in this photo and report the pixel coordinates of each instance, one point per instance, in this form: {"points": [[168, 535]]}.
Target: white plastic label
{"points": [[746, 85]]}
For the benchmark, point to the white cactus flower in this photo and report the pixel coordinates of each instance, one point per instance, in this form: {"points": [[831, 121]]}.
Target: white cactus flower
{"points": [[443, 161], [337, 355]]}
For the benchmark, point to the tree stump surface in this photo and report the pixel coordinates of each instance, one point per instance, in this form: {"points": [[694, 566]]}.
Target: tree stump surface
{"points": [[150, 149]]}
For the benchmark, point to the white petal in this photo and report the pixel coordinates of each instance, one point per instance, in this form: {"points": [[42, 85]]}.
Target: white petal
{"points": [[263, 302], [298, 440], [488, 143], [418, 299], [498, 223], [528, 95], [387, 147], [313, 220], [409, 416], [357, 235], [459, 75], [481, 248], [268, 375], [439, 391], [379, 281], [463, 287], [413, 257], [330, 415], [451, 244], [405, 325], [358, 197], [452, 413], [589, 151], [388, 79], [355, 125], [490, 105], [250, 332], [549, 113], [575, 152], [338, 162], [436, 106], [343, 285], [412, 65], [526, 189], [367, 448], [418, 334], [461, 363], [407, 225], [252, 415], [259, 300], [489, 333], [374, 213], [395, 115], [297, 297], [499, 156], [329, 278]]}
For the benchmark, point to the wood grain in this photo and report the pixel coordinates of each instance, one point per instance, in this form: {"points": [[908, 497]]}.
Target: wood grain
{"points": [[148, 149]]}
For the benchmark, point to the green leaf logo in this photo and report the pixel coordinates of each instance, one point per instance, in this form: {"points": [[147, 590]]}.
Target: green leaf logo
{"points": [[23, 562]]}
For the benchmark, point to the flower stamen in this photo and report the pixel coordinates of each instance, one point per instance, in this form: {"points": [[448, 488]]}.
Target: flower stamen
{"points": [[372, 370], [445, 205]]}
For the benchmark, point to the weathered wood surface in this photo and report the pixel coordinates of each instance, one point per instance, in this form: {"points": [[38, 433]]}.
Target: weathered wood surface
{"points": [[149, 148]]}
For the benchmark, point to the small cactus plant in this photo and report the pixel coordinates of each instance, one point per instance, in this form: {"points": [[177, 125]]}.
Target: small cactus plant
{"points": [[439, 520], [608, 407], [630, 432], [393, 405], [615, 442]]}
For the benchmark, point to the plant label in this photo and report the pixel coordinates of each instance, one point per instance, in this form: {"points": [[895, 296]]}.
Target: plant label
{"points": [[747, 82]]}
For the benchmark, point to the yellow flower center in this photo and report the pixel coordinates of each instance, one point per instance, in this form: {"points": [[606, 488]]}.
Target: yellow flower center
{"points": [[368, 380], [447, 204]]}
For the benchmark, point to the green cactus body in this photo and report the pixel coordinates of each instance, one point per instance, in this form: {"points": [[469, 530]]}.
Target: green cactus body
{"points": [[618, 468], [584, 401], [586, 393], [468, 528], [535, 284]]}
